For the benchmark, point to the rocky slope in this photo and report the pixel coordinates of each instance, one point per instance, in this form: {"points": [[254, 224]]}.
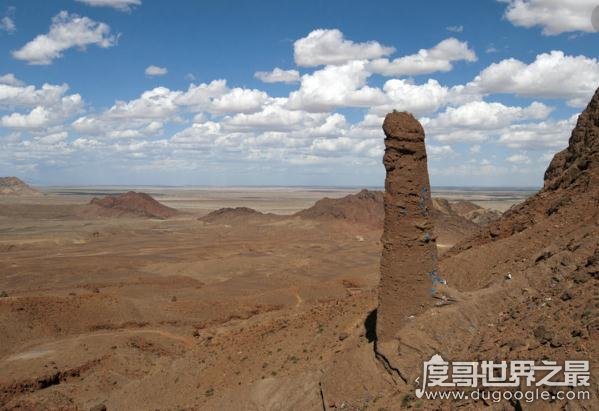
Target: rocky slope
{"points": [[365, 207], [473, 212], [525, 288], [236, 214], [131, 203], [528, 281], [13, 186], [570, 182]]}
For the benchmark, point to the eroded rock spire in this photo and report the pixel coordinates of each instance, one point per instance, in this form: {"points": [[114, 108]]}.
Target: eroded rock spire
{"points": [[408, 262]]}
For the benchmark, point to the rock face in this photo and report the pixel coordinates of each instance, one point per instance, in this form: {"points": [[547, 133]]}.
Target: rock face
{"points": [[237, 214], [365, 207], [572, 178], [575, 163], [140, 204], [13, 186], [366, 210], [409, 257], [466, 209]]}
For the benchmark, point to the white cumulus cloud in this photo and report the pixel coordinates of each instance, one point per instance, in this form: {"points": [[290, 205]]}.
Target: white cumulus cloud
{"points": [[44, 116], [336, 86], [455, 29], [67, 31], [482, 115], [8, 25], [122, 5], [518, 159], [274, 117], [438, 58], [553, 16], [551, 75], [27, 107], [217, 126], [322, 47], [278, 75], [477, 121], [10, 80], [552, 134], [155, 71], [440, 151], [239, 100], [419, 99], [38, 117]]}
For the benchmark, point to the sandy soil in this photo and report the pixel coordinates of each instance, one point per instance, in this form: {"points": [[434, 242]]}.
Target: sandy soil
{"points": [[98, 306], [166, 314]]}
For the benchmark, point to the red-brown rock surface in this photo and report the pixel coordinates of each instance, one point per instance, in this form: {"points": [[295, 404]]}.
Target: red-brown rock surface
{"points": [[234, 214], [578, 163], [140, 204], [467, 210], [13, 186], [527, 283], [408, 262], [571, 182], [365, 207]]}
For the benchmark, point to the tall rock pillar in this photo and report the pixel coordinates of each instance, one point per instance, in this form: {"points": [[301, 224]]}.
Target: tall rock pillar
{"points": [[408, 262]]}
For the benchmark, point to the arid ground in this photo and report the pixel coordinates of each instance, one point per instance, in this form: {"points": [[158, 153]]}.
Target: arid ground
{"points": [[193, 311]]}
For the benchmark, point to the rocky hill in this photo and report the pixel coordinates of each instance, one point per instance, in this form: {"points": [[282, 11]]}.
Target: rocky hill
{"points": [[365, 207], [131, 203], [13, 186], [475, 213], [234, 214], [570, 185], [523, 287], [528, 281]]}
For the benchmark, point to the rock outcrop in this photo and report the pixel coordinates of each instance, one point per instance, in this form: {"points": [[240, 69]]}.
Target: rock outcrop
{"points": [[132, 203], [466, 209], [228, 214], [571, 178], [575, 164], [13, 186], [365, 207], [366, 210], [409, 257]]}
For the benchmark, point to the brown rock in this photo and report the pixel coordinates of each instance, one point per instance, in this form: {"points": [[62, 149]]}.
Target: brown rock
{"points": [[543, 335], [13, 186], [236, 214], [140, 204], [365, 207], [573, 165], [408, 261], [570, 180], [566, 295], [515, 344]]}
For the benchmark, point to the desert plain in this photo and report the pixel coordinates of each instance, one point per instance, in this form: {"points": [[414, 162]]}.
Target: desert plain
{"points": [[128, 311]]}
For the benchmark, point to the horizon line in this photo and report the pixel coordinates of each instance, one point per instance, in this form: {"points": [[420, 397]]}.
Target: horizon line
{"points": [[281, 186]]}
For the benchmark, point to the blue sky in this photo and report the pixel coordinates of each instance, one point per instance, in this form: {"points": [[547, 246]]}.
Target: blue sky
{"points": [[288, 93]]}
